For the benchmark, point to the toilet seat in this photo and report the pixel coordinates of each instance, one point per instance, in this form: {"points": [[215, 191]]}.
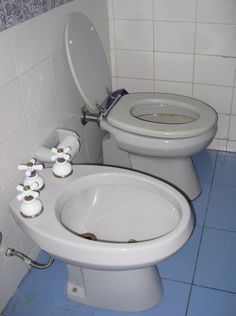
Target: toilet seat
{"points": [[183, 116]]}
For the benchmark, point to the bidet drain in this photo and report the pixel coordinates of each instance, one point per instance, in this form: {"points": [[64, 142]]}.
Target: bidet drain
{"points": [[89, 236]]}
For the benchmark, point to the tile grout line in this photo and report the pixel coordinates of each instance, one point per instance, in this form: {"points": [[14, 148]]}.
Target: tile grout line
{"points": [[200, 242], [203, 286], [231, 112]]}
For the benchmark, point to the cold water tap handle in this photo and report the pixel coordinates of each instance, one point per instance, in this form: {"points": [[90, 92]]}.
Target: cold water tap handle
{"points": [[61, 153], [30, 167], [27, 191]]}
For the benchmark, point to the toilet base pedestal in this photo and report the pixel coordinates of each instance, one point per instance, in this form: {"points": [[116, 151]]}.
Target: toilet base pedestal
{"points": [[125, 290], [179, 172]]}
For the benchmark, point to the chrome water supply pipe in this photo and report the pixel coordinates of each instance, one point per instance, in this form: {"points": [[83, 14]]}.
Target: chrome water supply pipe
{"points": [[10, 252]]}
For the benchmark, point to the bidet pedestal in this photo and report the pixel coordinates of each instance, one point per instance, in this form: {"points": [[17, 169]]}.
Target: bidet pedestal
{"points": [[124, 290]]}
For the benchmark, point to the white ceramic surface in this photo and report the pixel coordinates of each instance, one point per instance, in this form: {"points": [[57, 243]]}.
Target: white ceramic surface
{"points": [[142, 125], [116, 205], [138, 221]]}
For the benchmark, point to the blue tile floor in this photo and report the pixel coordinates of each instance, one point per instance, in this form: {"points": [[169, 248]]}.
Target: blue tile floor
{"points": [[199, 280]]}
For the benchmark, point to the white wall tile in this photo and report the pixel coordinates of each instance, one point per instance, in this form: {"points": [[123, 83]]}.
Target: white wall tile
{"points": [[135, 64], [169, 10], [113, 63], [10, 264], [7, 63], [174, 67], [83, 154], [135, 85], [69, 103], [218, 97], [112, 34], [9, 290], [216, 11], [234, 103], [232, 128], [216, 39], [181, 88], [10, 192], [43, 122], [81, 6], [32, 53], [133, 9], [36, 87], [11, 109], [99, 11], [231, 146], [214, 70], [103, 33], [94, 144], [26, 243], [218, 144], [223, 126], [174, 37], [54, 22], [15, 150], [110, 9], [6, 223], [114, 83], [75, 125], [29, 44], [134, 35], [60, 70]]}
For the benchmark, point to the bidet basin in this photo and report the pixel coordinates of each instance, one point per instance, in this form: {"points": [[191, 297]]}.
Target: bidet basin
{"points": [[132, 220], [111, 207]]}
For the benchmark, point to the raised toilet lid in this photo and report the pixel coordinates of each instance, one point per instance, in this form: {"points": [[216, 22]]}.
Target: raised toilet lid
{"points": [[162, 115], [87, 60]]}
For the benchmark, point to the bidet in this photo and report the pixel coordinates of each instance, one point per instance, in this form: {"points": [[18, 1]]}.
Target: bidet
{"points": [[116, 206]]}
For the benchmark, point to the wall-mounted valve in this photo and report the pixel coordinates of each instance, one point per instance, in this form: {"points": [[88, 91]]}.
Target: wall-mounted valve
{"points": [[86, 116]]}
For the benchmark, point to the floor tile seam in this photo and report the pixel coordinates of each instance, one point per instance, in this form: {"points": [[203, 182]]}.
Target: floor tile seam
{"points": [[213, 288], [224, 184], [203, 226], [189, 298], [176, 281], [220, 229], [204, 287], [210, 191]]}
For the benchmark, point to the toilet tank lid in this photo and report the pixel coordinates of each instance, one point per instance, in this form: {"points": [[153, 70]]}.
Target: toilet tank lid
{"points": [[87, 60]]}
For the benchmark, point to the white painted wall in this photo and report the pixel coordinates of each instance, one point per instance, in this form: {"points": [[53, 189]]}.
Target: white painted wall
{"points": [[186, 47], [37, 94]]}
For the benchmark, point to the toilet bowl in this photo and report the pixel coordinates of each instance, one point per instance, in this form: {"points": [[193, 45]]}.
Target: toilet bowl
{"points": [[151, 132], [134, 221]]}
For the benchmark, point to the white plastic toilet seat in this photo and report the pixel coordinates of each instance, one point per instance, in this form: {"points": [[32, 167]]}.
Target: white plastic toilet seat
{"points": [[202, 117]]}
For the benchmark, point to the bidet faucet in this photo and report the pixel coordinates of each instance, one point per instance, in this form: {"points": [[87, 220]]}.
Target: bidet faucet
{"points": [[31, 173]]}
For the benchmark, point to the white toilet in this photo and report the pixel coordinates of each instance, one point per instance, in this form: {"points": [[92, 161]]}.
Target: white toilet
{"points": [[134, 221], [154, 133]]}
